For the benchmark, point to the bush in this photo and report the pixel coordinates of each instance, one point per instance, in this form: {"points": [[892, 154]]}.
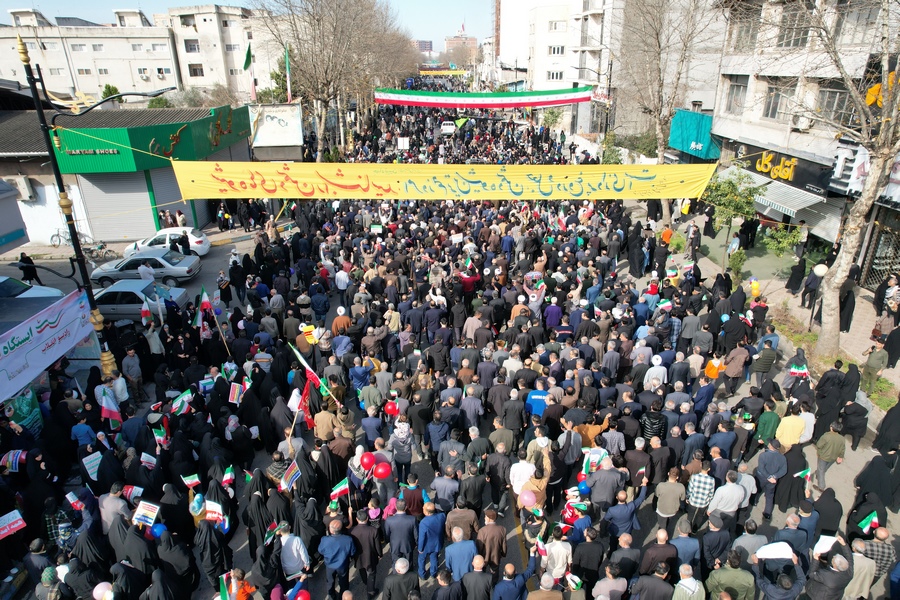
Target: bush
{"points": [[677, 244], [736, 264], [642, 143]]}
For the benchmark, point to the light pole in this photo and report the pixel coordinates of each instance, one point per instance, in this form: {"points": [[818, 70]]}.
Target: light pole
{"points": [[107, 360], [820, 271]]}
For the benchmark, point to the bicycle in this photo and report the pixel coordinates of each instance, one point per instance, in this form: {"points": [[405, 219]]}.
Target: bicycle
{"points": [[62, 236], [101, 252]]}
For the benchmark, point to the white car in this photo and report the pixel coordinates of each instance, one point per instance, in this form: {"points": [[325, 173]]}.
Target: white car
{"points": [[448, 128], [199, 242], [13, 288]]}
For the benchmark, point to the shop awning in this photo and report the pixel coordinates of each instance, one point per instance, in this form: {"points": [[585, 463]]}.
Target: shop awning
{"points": [[783, 198], [690, 133]]}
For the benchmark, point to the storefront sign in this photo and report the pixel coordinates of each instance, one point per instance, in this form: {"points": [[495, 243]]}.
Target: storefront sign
{"points": [[35, 344], [439, 182], [796, 172], [92, 151]]}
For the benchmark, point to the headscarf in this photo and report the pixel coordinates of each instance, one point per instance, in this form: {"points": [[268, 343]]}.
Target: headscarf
{"points": [[160, 588], [401, 431], [118, 532], [850, 384], [231, 427]]}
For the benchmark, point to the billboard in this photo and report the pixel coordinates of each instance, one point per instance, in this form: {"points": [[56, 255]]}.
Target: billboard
{"points": [[276, 125]]}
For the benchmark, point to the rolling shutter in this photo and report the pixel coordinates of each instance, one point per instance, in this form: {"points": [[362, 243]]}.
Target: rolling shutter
{"points": [[167, 191], [117, 206]]}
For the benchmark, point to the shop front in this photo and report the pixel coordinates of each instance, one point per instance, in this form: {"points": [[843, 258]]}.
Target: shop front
{"points": [[124, 173]]}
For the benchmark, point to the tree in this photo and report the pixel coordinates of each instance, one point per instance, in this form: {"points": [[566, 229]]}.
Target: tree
{"points": [[551, 117], [220, 95], [661, 40], [160, 102], [781, 239], [111, 90], [869, 113], [733, 197], [610, 154]]}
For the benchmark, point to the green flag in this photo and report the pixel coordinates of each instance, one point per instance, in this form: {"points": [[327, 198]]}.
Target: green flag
{"points": [[461, 122], [248, 59]]}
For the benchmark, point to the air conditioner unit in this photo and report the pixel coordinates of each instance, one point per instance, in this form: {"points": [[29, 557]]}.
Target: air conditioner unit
{"points": [[21, 183], [800, 122], [145, 77]]}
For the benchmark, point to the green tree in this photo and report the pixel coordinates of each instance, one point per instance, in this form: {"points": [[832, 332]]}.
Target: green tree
{"points": [[159, 102], [781, 239], [642, 143], [733, 198], [610, 155], [111, 90], [552, 116]]}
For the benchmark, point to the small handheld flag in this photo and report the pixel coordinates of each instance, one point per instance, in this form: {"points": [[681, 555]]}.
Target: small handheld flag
{"points": [[159, 435], [270, 534], [146, 315], [228, 478], [870, 522], [641, 473], [804, 474], [291, 475], [191, 480], [205, 304], [182, 404], [340, 489]]}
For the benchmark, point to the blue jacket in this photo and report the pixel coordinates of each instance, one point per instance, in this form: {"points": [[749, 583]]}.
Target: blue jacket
{"points": [[431, 533], [336, 551], [623, 517], [458, 557], [576, 536], [771, 464], [688, 550], [514, 589]]}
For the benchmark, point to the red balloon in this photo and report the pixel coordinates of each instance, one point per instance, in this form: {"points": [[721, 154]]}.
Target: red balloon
{"points": [[302, 595], [367, 460], [392, 409], [581, 477], [383, 471]]}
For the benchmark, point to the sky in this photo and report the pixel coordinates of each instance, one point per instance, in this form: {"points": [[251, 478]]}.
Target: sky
{"points": [[424, 19]]}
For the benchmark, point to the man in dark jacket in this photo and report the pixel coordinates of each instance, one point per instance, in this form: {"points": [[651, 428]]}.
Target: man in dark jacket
{"points": [[784, 587], [368, 550], [827, 580], [401, 582], [400, 530], [477, 584], [715, 545], [512, 586], [655, 586]]}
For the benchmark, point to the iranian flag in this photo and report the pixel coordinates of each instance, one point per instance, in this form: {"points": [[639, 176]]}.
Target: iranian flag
{"points": [[270, 534], [541, 547], [561, 219], [804, 474], [191, 480], [228, 478], [586, 463], [198, 318], [146, 315], [182, 404], [340, 489], [109, 408], [469, 262], [310, 374], [159, 435], [225, 585], [566, 528], [228, 372], [293, 205], [641, 473], [248, 476], [870, 522], [687, 267], [494, 100], [205, 304]]}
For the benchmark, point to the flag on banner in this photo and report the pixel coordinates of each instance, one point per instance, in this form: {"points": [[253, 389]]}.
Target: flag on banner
{"points": [[12, 459], [159, 435], [805, 474], [270, 534], [870, 522], [205, 303], [340, 489], [234, 395], [182, 404], [291, 475], [130, 492], [228, 478], [287, 73], [146, 315], [74, 501], [191, 480], [109, 407]]}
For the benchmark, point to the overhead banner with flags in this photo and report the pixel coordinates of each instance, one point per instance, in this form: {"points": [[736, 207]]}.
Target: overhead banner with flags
{"points": [[483, 99], [363, 181]]}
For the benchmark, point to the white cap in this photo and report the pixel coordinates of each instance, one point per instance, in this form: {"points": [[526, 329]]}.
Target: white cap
{"points": [[521, 298], [584, 302], [341, 311]]}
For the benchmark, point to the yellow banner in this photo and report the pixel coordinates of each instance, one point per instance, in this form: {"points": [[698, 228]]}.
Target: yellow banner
{"points": [[360, 181], [442, 72]]}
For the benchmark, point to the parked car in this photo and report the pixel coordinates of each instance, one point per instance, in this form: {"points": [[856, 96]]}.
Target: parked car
{"points": [[13, 288], [170, 267], [448, 128], [199, 242], [124, 299]]}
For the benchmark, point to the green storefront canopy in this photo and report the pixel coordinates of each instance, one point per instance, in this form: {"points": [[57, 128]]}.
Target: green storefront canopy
{"points": [[690, 133]]}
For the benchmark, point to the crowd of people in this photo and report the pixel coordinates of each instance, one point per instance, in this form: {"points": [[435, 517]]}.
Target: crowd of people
{"points": [[429, 392]]}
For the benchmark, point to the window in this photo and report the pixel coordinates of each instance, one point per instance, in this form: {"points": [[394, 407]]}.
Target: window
{"points": [[50, 46], [855, 24], [834, 104], [232, 47], [249, 35], [121, 21], [736, 94], [137, 47], [554, 75], [159, 47], [744, 26], [188, 21], [556, 50], [557, 25], [793, 30], [143, 71], [235, 71], [192, 46], [779, 93], [226, 23], [102, 71], [195, 70], [78, 47], [84, 71], [31, 45], [56, 71], [163, 71], [97, 47]]}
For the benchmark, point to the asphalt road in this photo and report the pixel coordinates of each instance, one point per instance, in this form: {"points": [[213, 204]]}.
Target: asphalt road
{"points": [[840, 476]]}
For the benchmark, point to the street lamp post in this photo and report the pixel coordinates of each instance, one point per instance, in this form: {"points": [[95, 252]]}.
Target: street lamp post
{"points": [[107, 360]]}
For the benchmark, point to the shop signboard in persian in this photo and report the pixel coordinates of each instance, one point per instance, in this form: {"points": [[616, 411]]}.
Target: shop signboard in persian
{"points": [[796, 172]]}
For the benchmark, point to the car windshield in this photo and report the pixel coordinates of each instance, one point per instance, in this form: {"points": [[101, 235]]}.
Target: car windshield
{"points": [[10, 288], [197, 233], [149, 292], [173, 258]]}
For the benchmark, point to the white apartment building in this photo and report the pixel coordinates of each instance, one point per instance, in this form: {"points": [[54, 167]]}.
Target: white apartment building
{"points": [[777, 89], [194, 46], [550, 64]]}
